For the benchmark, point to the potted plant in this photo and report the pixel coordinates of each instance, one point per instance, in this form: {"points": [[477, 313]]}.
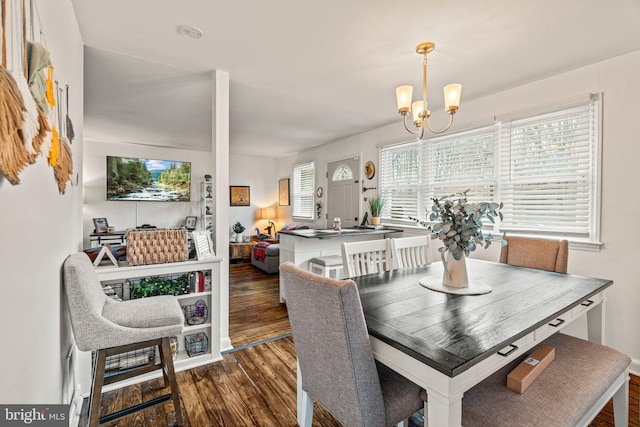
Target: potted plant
{"points": [[238, 229], [375, 206], [459, 227]]}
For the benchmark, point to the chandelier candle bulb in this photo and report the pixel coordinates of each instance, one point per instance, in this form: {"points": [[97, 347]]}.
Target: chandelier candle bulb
{"points": [[417, 108]]}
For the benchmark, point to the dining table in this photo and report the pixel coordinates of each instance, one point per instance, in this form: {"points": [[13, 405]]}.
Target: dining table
{"points": [[448, 343]]}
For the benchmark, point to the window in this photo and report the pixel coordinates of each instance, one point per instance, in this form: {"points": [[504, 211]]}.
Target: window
{"points": [[543, 166], [342, 173], [400, 181], [303, 190], [462, 161], [547, 171]]}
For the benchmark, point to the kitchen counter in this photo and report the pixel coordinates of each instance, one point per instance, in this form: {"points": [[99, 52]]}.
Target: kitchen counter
{"points": [[299, 246], [329, 233]]}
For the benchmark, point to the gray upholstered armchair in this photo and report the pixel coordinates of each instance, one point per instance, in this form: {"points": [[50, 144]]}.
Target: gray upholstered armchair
{"points": [[114, 327]]}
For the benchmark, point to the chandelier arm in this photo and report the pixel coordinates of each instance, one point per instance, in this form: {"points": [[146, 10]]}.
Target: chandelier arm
{"points": [[443, 130], [405, 125]]}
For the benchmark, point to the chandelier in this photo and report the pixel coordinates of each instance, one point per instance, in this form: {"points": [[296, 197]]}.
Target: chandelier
{"points": [[421, 115]]}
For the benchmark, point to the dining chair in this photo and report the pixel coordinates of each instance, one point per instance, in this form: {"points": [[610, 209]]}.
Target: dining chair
{"points": [[111, 328], [410, 252], [336, 366], [542, 254], [368, 257]]}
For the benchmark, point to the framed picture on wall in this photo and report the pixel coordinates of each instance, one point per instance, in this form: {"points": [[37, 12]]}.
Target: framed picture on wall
{"points": [[283, 192], [239, 195]]}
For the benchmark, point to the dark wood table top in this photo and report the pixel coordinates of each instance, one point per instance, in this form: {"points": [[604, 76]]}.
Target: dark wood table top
{"points": [[452, 333]]}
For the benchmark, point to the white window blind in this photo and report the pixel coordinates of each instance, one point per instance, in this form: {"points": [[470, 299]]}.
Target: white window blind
{"points": [[400, 181], [461, 161], [303, 190], [547, 171]]}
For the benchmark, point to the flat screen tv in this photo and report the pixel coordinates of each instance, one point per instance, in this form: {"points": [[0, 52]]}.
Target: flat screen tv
{"points": [[135, 179]]}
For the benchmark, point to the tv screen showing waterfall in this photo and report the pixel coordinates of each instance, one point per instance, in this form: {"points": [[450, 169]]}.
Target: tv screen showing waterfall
{"points": [[135, 179]]}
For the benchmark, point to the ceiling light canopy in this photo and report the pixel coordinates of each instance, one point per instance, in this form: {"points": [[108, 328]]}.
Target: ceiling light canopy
{"points": [[419, 108]]}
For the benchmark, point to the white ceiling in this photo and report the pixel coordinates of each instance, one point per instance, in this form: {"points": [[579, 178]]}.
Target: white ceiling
{"points": [[304, 73]]}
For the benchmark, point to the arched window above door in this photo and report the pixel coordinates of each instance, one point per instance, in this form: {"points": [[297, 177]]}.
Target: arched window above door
{"points": [[342, 173]]}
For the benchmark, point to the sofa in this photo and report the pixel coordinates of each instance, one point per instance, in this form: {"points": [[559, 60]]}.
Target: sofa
{"points": [[266, 253], [266, 256]]}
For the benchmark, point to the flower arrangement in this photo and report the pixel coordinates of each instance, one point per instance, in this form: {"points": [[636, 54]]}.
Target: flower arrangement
{"points": [[460, 223]]}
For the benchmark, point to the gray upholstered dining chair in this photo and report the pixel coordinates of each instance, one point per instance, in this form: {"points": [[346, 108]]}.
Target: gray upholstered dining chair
{"points": [[542, 254], [335, 360], [410, 252], [111, 327], [367, 257]]}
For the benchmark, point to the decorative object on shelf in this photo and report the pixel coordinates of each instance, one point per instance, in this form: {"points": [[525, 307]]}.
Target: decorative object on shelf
{"points": [[419, 108], [369, 170], [208, 190], [238, 228], [459, 226], [319, 192], [268, 213], [375, 206], [101, 225], [283, 192], [190, 223], [106, 250], [239, 195], [173, 342], [196, 314], [156, 246], [203, 243], [196, 344], [160, 285]]}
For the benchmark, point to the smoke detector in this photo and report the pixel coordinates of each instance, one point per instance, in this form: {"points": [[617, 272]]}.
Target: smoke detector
{"points": [[190, 31]]}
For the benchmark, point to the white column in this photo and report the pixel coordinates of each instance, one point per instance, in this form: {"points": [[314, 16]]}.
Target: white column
{"points": [[220, 167]]}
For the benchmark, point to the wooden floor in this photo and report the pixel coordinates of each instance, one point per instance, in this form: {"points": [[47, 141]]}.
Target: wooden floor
{"points": [[256, 385]]}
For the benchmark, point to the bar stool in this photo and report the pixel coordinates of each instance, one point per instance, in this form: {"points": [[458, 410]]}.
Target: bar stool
{"points": [[326, 265]]}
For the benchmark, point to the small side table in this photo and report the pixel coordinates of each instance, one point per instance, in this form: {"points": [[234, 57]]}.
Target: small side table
{"points": [[240, 251]]}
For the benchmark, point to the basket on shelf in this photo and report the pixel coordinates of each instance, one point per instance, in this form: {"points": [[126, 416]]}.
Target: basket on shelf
{"points": [[156, 246], [196, 344], [196, 314]]}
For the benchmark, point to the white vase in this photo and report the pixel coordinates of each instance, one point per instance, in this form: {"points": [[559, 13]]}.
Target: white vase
{"points": [[455, 271], [238, 237]]}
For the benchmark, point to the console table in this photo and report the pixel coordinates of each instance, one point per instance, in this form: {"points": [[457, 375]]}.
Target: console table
{"points": [[107, 237], [240, 251]]}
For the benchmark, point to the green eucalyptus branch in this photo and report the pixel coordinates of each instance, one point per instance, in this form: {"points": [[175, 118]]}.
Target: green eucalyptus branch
{"points": [[459, 223]]}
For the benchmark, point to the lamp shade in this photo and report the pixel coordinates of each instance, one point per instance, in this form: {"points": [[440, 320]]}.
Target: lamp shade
{"points": [[403, 97], [268, 213], [452, 94], [418, 107]]}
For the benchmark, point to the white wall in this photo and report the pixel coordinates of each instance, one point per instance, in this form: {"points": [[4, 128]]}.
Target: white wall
{"points": [[617, 259], [39, 228], [123, 215], [260, 174]]}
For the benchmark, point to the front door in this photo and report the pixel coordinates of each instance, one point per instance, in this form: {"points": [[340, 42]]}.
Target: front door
{"points": [[343, 194]]}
